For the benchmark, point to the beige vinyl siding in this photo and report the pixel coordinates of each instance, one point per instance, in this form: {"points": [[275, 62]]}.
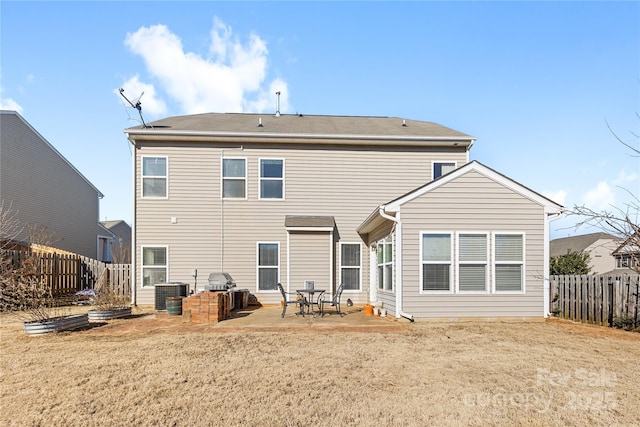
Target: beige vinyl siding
{"points": [[319, 180], [478, 204], [310, 259], [44, 189]]}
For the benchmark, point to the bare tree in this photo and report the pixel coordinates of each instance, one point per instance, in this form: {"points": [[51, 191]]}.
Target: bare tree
{"points": [[620, 221], [23, 292]]}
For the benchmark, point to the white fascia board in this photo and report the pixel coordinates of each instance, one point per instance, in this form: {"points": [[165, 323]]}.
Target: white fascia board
{"points": [[550, 206], [183, 135], [309, 229]]}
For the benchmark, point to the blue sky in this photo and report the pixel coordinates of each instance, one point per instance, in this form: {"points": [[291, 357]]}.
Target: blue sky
{"points": [[535, 82]]}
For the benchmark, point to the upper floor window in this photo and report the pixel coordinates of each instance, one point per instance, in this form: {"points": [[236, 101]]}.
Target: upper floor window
{"points": [[473, 255], [436, 261], [626, 261], [350, 262], [509, 262], [154, 176], [442, 168], [385, 265], [271, 178], [234, 178]]}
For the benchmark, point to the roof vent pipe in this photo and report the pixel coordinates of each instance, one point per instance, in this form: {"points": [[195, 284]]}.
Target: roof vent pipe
{"points": [[404, 123], [278, 104], [260, 122]]}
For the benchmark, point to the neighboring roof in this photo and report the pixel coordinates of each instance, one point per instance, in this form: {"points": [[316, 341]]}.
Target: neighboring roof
{"points": [[32, 129], [111, 224], [309, 222], [376, 217], [561, 246], [301, 127], [630, 246]]}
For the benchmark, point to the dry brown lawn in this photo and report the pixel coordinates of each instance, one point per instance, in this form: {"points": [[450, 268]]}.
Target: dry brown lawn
{"points": [[421, 374]]}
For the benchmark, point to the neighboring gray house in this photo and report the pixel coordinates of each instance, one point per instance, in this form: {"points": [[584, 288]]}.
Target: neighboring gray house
{"points": [[121, 247], [627, 256], [44, 189], [289, 198], [599, 246]]}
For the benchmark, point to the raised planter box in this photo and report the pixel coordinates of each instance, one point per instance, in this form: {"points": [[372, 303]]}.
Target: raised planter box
{"points": [[57, 324], [115, 313]]}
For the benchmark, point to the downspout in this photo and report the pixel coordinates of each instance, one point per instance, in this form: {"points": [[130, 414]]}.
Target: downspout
{"points": [[398, 259], [222, 211], [134, 276], [546, 269]]}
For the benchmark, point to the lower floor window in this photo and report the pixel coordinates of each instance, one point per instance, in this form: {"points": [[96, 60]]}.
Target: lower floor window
{"points": [[154, 265], [268, 266], [509, 262], [472, 264], [350, 262], [385, 265], [436, 261]]}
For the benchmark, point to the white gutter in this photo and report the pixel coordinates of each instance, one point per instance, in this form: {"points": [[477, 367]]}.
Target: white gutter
{"points": [[398, 262], [263, 137]]}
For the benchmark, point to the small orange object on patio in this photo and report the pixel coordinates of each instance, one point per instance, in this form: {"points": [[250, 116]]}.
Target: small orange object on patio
{"points": [[368, 310]]}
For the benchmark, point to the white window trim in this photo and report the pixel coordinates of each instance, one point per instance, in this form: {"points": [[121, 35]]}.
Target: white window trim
{"points": [[143, 176], [433, 168], [486, 263], [142, 266], [260, 178], [246, 178], [391, 241], [523, 263], [359, 267], [258, 267], [451, 264]]}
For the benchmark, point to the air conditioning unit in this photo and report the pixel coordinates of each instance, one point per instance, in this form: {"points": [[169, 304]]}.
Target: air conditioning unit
{"points": [[164, 290]]}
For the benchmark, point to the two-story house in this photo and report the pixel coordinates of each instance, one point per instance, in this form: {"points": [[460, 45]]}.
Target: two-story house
{"points": [[47, 192], [627, 255], [390, 207], [599, 247]]}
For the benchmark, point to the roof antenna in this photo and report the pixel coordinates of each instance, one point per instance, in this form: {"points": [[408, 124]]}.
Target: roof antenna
{"points": [[278, 104], [137, 105]]}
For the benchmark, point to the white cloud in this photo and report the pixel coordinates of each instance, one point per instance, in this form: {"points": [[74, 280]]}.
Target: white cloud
{"points": [[600, 198], [231, 80], [625, 178], [10, 104], [136, 90], [559, 196]]}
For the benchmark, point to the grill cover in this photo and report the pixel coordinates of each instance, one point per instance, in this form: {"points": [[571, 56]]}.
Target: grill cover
{"points": [[220, 282]]}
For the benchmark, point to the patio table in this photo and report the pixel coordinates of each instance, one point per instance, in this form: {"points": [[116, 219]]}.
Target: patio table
{"points": [[310, 302]]}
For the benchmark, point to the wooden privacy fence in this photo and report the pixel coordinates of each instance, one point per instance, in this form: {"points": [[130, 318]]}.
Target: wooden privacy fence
{"points": [[68, 274], [598, 299]]}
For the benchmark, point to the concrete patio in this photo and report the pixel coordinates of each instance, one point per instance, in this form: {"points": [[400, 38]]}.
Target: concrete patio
{"points": [[267, 318]]}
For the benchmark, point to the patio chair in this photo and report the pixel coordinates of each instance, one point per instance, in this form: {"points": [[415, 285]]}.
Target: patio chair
{"points": [[296, 300], [333, 300]]}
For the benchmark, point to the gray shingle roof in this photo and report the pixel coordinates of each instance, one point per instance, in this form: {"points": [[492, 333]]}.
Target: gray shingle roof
{"points": [[302, 124], [558, 247], [309, 221]]}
